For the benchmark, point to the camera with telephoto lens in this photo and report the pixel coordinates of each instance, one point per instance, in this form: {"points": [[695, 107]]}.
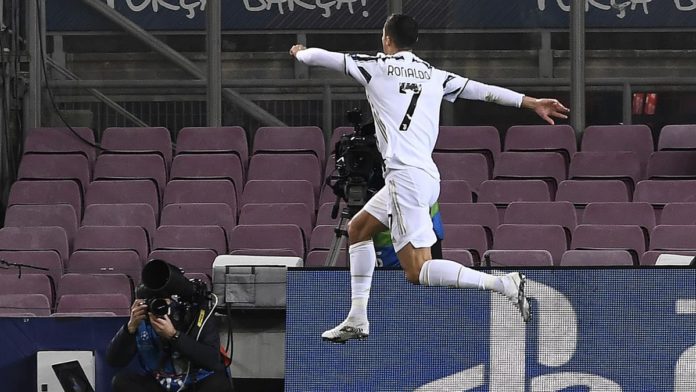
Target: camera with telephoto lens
{"points": [[162, 280], [358, 173]]}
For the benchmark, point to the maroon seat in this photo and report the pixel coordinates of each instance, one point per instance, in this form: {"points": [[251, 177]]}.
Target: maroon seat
{"points": [[518, 258], [140, 215], [73, 167], [471, 139], [47, 192], [132, 167], [606, 165], [200, 191], [503, 192], [550, 138], [629, 238], [126, 262], [586, 258], [672, 165], [29, 283], [60, 215], [322, 236], [636, 138], [484, 214], [60, 140], [123, 192], [290, 140], [561, 213], [127, 238], [286, 167], [551, 238], [455, 191], [191, 237], [268, 237], [467, 237], [677, 137], [38, 258], [210, 167], [650, 257], [471, 168], [118, 304], [89, 284], [279, 213], [461, 256], [678, 214], [139, 140], [547, 166], [660, 192], [673, 237], [317, 258], [200, 214], [190, 260], [24, 305], [583, 192], [35, 238], [324, 214], [639, 214], [214, 140], [279, 191]]}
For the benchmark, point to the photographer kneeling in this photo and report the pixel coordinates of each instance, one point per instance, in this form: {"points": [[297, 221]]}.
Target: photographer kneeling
{"points": [[169, 330]]}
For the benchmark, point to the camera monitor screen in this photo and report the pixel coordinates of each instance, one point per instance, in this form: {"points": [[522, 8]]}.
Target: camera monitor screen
{"points": [[72, 378]]}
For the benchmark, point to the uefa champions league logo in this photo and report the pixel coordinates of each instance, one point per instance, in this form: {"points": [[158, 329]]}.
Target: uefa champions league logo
{"points": [[557, 344]]}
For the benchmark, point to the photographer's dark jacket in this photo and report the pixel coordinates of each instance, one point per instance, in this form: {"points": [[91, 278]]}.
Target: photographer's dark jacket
{"points": [[155, 354]]}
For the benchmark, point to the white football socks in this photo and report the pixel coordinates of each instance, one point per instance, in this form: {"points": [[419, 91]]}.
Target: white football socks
{"points": [[438, 272], [362, 264]]}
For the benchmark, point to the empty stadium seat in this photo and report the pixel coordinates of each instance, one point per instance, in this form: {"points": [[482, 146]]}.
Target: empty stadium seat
{"points": [[29, 283], [468, 237], [71, 167], [24, 305], [279, 191], [89, 284], [673, 237], [677, 137], [550, 138], [587, 258], [290, 140], [583, 192], [126, 262], [471, 168], [606, 165], [47, 192], [123, 192], [638, 214], [214, 140], [60, 140], [200, 191], [141, 215], [60, 215], [209, 167], [324, 214], [317, 258], [551, 238], [471, 139], [322, 236], [126, 238], [484, 214], [503, 192], [263, 237], [132, 167], [660, 192], [95, 304], [191, 237], [561, 213], [286, 167], [636, 138], [518, 258], [200, 214], [672, 165], [678, 214], [48, 259], [297, 214], [139, 140], [461, 256], [547, 166], [35, 238], [622, 237]]}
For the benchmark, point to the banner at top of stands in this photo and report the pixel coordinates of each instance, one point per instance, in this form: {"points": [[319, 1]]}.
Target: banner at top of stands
{"points": [[75, 15]]}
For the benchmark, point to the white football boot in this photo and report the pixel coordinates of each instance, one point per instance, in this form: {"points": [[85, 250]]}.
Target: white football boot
{"points": [[514, 291], [348, 329]]}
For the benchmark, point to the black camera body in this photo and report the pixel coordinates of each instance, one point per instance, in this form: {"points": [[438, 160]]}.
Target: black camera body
{"points": [[358, 174], [157, 306]]}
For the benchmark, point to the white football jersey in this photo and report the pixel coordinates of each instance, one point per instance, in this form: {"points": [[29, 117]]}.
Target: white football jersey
{"points": [[405, 94]]}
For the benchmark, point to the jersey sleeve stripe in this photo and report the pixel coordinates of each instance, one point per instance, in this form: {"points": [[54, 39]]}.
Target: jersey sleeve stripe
{"points": [[365, 74]]}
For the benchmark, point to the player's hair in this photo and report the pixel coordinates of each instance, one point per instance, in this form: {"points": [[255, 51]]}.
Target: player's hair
{"points": [[403, 29]]}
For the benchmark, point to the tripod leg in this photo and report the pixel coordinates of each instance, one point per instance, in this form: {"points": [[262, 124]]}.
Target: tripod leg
{"points": [[337, 243]]}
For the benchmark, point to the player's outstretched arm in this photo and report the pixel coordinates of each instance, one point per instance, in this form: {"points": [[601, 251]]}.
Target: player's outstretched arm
{"points": [[319, 57], [546, 108]]}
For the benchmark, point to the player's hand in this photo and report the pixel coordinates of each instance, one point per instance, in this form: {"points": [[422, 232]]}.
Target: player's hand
{"points": [[163, 326], [137, 315], [296, 48], [547, 108]]}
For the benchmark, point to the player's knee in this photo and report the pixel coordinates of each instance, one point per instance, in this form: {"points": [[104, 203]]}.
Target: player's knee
{"points": [[357, 232]]}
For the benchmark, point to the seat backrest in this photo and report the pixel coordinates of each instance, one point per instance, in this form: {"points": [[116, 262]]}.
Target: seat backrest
{"points": [[471, 168], [672, 165], [290, 140], [78, 303], [29, 283], [322, 236], [106, 262], [583, 192], [191, 237], [279, 191], [35, 238], [630, 238], [214, 139], [677, 137], [508, 191], [284, 213], [88, 284], [561, 213], [519, 258], [673, 237], [121, 215], [60, 140], [24, 305], [558, 138], [72, 167], [47, 192], [551, 238], [48, 259], [132, 167], [658, 193], [200, 214], [324, 214], [484, 214], [520, 165], [209, 166], [268, 237], [139, 140], [679, 214], [200, 191], [123, 192], [585, 258], [61, 215], [455, 191], [470, 237], [636, 138], [484, 139], [640, 214], [606, 165], [190, 260], [131, 238], [286, 167]]}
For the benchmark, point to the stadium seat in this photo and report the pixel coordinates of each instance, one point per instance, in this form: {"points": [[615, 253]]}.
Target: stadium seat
{"points": [[200, 191], [518, 258], [195, 140], [484, 214], [587, 258], [672, 165], [286, 167], [317, 258], [24, 305], [47, 192], [622, 237], [550, 138], [583, 192], [60, 140], [279, 213], [29, 283], [471, 168], [673, 237], [132, 167], [209, 167], [48, 259], [89, 284], [660, 192], [35, 238], [126, 262], [61, 215], [503, 192], [639, 214], [547, 166], [290, 140], [551, 238], [471, 139], [561, 213], [636, 138], [650, 257], [190, 260], [606, 165], [200, 214], [127, 238], [468, 237], [322, 236], [455, 191], [139, 140], [123, 192], [461, 256], [678, 214], [279, 191], [256, 237], [71, 167], [324, 214], [191, 237], [677, 137], [95, 304], [140, 215]]}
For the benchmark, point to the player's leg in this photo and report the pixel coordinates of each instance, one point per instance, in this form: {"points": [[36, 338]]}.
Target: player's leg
{"points": [[371, 220]]}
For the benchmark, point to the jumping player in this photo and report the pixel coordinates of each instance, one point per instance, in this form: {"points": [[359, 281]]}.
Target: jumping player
{"points": [[405, 94]]}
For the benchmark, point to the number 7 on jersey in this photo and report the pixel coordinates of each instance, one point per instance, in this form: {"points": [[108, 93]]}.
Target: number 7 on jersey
{"points": [[404, 88]]}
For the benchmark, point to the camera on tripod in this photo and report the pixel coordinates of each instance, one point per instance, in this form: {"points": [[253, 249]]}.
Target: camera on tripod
{"points": [[358, 173]]}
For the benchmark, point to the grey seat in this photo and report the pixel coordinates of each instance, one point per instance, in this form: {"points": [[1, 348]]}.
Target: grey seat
{"points": [[255, 237], [47, 192], [223, 140], [126, 262], [209, 166], [141, 215], [139, 140], [60, 215], [35, 238], [126, 238], [200, 191], [117, 304], [123, 192], [471, 168]]}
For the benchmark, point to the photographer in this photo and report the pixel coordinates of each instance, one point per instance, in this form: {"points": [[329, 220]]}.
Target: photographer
{"points": [[176, 345]]}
